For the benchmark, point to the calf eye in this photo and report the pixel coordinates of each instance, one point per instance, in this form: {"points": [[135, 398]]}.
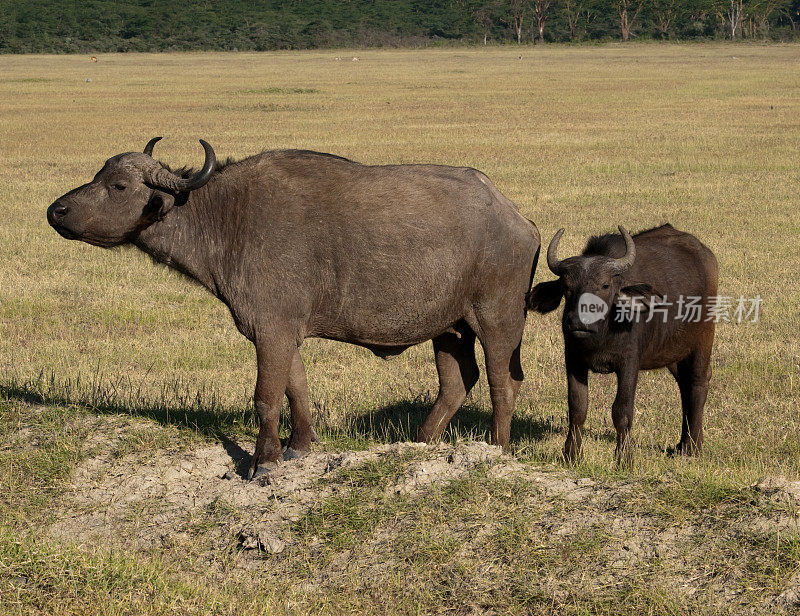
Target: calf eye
{"points": [[605, 286]]}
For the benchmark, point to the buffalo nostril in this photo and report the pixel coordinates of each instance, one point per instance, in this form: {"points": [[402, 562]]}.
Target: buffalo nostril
{"points": [[56, 211]]}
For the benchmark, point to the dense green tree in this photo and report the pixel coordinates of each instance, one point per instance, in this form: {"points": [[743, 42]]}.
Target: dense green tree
{"points": [[541, 12], [665, 13], [519, 10], [153, 25]]}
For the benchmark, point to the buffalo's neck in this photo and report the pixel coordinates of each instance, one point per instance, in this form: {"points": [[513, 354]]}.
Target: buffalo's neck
{"points": [[187, 240]]}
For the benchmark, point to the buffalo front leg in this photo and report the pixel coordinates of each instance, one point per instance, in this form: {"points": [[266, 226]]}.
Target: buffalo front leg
{"points": [[622, 412], [274, 354], [303, 433], [577, 404], [458, 373]]}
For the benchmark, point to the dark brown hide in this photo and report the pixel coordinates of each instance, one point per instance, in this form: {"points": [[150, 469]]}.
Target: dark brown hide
{"points": [[667, 264], [301, 244]]}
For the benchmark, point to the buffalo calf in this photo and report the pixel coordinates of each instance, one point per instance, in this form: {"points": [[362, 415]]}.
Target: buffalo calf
{"points": [[630, 304]]}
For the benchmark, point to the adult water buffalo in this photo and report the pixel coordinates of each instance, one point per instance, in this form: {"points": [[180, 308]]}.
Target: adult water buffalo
{"points": [[634, 303], [301, 244]]}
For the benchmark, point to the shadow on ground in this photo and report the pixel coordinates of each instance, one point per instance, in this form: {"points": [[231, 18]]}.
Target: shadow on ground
{"points": [[401, 420], [188, 408], [199, 411]]}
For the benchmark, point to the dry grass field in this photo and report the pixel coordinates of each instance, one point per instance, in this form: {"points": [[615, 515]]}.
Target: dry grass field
{"points": [[113, 369]]}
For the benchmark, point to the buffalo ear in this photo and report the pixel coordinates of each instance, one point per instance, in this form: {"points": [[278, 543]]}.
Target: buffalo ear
{"points": [[159, 204], [644, 291], [545, 297]]}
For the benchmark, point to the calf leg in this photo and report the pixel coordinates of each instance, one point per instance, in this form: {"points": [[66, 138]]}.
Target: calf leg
{"points": [[458, 373], [692, 375], [274, 353], [622, 412], [577, 402]]}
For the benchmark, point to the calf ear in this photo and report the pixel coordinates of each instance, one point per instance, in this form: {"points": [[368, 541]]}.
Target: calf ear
{"points": [[643, 290], [544, 297]]}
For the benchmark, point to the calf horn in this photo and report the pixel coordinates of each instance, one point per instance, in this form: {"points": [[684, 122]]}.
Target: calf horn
{"points": [[624, 263], [163, 178], [552, 253]]}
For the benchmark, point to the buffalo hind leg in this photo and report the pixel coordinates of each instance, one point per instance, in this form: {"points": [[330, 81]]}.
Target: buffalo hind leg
{"points": [[692, 375], [303, 433], [504, 373], [458, 373], [274, 354]]}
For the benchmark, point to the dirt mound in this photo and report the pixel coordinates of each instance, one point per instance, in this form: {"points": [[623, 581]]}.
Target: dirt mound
{"points": [[197, 499], [146, 499]]}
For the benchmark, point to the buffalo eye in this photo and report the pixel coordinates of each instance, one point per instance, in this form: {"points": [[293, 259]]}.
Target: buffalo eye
{"points": [[119, 187], [606, 286]]}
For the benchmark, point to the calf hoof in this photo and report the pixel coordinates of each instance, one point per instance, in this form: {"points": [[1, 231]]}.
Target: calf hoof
{"points": [[687, 449], [262, 470], [624, 457], [571, 452]]}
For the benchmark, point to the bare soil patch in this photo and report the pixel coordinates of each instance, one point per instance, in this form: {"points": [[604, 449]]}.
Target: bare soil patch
{"points": [[196, 500]]}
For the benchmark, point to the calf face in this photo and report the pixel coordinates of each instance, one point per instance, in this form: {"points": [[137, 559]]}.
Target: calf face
{"points": [[592, 289]]}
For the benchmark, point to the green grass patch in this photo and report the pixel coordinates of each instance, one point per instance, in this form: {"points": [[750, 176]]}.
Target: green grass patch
{"points": [[279, 90], [195, 413], [39, 448], [26, 80], [38, 575]]}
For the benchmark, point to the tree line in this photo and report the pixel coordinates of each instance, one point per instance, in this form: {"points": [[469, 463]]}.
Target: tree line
{"points": [[63, 26]]}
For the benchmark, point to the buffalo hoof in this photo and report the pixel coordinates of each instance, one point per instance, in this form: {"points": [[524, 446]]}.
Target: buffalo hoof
{"points": [[293, 454], [262, 471]]}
